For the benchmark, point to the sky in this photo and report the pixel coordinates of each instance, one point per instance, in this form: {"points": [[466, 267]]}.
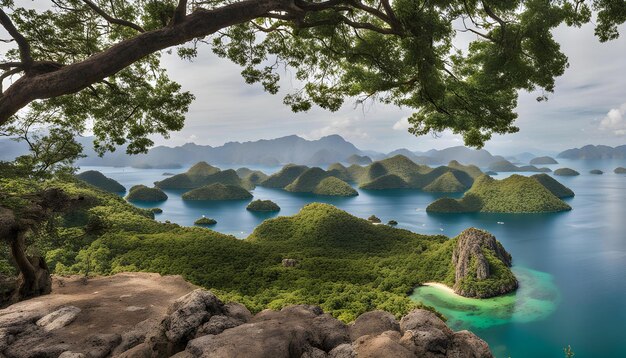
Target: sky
{"points": [[588, 106]]}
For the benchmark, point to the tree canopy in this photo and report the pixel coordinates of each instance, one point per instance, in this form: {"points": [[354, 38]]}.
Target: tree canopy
{"points": [[98, 61]]}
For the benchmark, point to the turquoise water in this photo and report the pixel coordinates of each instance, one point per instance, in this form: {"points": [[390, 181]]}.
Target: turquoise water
{"points": [[571, 265]]}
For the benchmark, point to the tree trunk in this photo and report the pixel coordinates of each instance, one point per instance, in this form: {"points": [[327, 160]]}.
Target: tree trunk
{"points": [[34, 278]]}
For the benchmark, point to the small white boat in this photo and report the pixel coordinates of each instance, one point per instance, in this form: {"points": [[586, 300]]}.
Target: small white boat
{"points": [[500, 222]]}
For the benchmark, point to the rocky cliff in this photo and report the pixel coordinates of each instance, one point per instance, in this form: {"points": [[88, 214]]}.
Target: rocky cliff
{"points": [[481, 265], [93, 319]]}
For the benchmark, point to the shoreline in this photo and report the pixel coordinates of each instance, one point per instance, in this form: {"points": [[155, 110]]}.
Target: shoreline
{"points": [[444, 287]]}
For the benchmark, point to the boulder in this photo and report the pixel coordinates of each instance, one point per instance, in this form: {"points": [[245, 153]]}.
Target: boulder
{"points": [[290, 262], [373, 323]]}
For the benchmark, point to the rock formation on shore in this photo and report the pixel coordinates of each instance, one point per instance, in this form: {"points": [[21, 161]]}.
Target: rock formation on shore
{"points": [[481, 265], [198, 324]]}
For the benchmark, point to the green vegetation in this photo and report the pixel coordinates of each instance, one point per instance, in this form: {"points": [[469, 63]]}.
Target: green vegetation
{"points": [[218, 191], [543, 161], [100, 181], [284, 177], [374, 219], [559, 190], [334, 187], [202, 174], [345, 264], [263, 205], [399, 172], [308, 181], [204, 221], [447, 183], [596, 172], [620, 170], [392, 223], [515, 194], [566, 172], [506, 166], [143, 193]]}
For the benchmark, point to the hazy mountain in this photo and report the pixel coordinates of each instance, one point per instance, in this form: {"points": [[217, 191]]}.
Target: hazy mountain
{"points": [[481, 157], [595, 152], [290, 149], [417, 157]]}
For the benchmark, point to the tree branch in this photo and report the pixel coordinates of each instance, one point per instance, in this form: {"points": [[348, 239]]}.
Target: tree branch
{"points": [[111, 19], [22, 43], [180, 12]]}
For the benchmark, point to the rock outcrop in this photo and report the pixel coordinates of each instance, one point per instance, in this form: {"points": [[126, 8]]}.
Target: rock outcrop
{"points": [[481, 265], [198, 324]]}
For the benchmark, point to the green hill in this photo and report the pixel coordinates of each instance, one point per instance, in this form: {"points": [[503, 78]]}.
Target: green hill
{"points": [[446, 183], [506, 166], [263, 205], [359, 159], [339, 171], [195, 177], [100, 181], [566, 172], [218, 191], [472, 170], [307, 181], [284, 177], [515, 194], [334, 187], [143, 193], [389, 181], [559, 190]]}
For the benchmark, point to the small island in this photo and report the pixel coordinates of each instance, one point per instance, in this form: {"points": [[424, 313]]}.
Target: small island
{"points": [[156, 210], [143, 193], [100, 181], [263, 206], [204, 221], [620, 170], [392, 223], [333, 186], [567, 172], [543, 161], [515, 194], [506, 166], [596, 172], [446, 183], [374, 219], [218, 191]]}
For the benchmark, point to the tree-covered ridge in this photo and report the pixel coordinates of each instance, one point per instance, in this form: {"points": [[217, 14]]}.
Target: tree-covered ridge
{"points": [[400, 172], [202, 174], [568, 172], [506, 166], [346, 265], [559, 190], [144, 193], [218, 191], [100, 181], [318, 181], [543, 160], [515, 194]]}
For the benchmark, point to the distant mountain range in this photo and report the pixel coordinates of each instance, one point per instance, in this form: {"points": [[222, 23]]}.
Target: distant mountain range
{"points": [[595, 152], [294, 149]]}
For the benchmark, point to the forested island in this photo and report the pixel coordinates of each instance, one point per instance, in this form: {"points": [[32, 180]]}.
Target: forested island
{"points": [[515, 194]]}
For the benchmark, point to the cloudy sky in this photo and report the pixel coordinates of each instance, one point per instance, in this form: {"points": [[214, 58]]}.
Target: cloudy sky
{"points": [[588, 107]]}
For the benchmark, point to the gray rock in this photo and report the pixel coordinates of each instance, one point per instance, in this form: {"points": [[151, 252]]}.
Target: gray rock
{"points": [[373, 323], [380, 346], [101, 345], [237, 311], [217, 324], [342, 351], [59, 318], [69, 354], [188, 313], [467, 344], [290, 262], [136, 336]]}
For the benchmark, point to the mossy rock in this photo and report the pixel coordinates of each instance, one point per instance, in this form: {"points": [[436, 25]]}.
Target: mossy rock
{"points": [[100, 181], [218, 191], [263, 205], [143, 193], [392, 223], [374, 219], [205, 221], [566, 172]]}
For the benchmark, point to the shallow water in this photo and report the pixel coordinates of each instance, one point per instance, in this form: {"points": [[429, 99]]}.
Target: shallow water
{"points": [[572, 265]]}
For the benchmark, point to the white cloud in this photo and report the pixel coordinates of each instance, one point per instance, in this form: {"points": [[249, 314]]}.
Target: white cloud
{"points": [[345, 127], [402, 125], [615, 121]]}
